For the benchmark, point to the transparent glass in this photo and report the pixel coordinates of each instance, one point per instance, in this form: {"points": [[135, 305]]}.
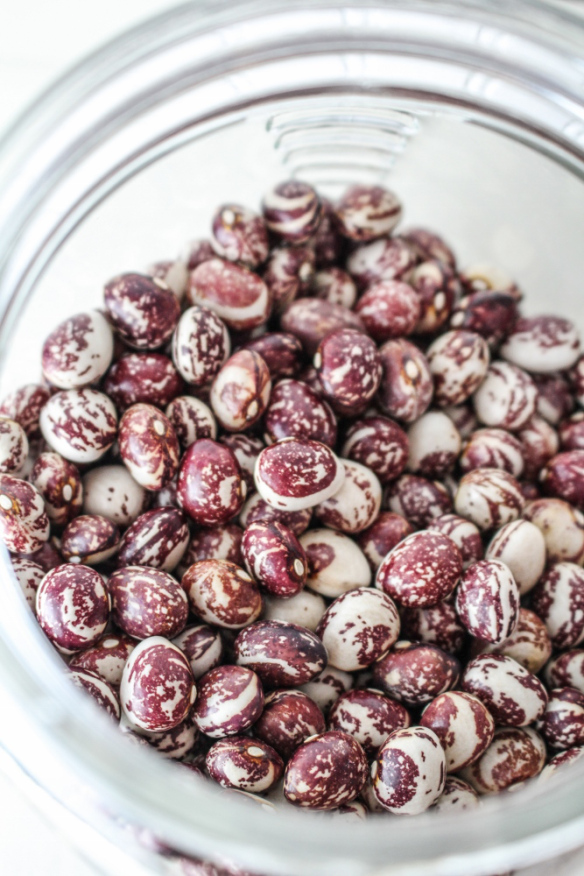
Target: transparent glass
{"points": [[474, 113]]}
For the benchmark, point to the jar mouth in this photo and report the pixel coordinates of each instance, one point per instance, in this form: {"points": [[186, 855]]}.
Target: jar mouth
{"points": [[181, 76]]}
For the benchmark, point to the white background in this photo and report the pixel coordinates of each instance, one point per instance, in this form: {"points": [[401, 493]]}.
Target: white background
{"points": [[39, 39]]}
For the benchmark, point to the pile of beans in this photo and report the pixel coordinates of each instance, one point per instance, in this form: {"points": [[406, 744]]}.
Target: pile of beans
{"points": [[219, 464]]}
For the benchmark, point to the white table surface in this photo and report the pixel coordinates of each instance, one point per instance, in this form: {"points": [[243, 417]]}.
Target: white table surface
{"points": [[38, 41]]}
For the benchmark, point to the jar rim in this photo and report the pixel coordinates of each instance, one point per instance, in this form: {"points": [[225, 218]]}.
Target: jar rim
{"points": [[58, 134]]}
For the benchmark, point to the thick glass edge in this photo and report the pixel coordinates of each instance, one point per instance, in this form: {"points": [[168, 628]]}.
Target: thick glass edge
{"points": [[319, 836]]}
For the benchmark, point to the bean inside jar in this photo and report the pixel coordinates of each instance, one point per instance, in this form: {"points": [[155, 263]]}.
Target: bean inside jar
{"points": [[314, 526]]}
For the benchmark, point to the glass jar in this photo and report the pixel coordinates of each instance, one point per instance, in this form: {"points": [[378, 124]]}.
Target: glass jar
{"points": [[473, 110]]}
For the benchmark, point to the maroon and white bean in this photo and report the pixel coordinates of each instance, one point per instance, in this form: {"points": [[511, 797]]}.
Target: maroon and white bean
{"points": [[215, 543], [90, 539], [382, 536], [241, 390], [80, 424], [24, 405], [103, 693], [563, 477], [157, 689], [327, 243], [565, 670], [562, 527], [175, 274], [369, 717], [148, 446], [336, 285], [147, 602], [157, 539], [560, 761], [292, 211], [489, 497], [378, 443], [222, 594], [13, 446], [200, 345], [230, 700], [571, 433], [484, 276], [142, 310], [256, 509], [489, 313], [530, 644], [487, 601], [73, 607], [275, 558], [438, 288], [203, 647], [304, 609], [389, 309], [191, 419], [112, 492], [106, 658], [327, 687], [210, 488], [289, 717], [540, 442], [335, 563], [506, 398], [558, 599], [406, 384], [463, 725], [418, 499], [555, 400], [434, 445], [150, 378], [246, 448], [513, 695], [298, 473], [493, 448], [463, 417], [288, 274], [458, 362], [463, 533], [29, 576], [79, 351], [175, 743], [515, 755], [422, 570], [355, 506], [437, 625], [521, 546], [562, 724], [358, 628], [414, 673], [310, 319], [349, 370], [542, 344], [367, 212], [409, 771], [235, 294], [429, 245], [281, 351], [283, 655], [326, 771], [239, 235], [24, 525], [296, 411], [244, 763], [59, 483], [388, 258], [457, 796]]}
